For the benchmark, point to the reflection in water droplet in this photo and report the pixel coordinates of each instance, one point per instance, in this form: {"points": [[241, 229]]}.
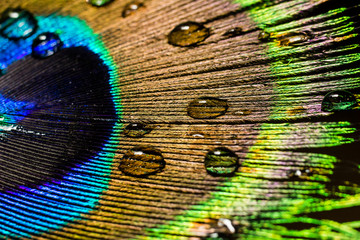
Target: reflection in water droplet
{"points": [[237, 31], [293, 38], [46, 45], [301, 173], [222, 228], [131, 8], [243, 112], [136, 130], [207, 107], [188, 34], [142, 161], [264, 36], [198, 135], [338, 101], [16, 23], [99, 3], [221, 161]]}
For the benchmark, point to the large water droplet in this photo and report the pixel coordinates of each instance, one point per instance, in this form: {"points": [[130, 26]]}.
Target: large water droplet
{"points": [[188, 34], [131, 8], [136, 130], [207, 107], [46, 45], [16, 23], [338, 101], [142, 161], [293, 38], [99, 3], [221, 161]]}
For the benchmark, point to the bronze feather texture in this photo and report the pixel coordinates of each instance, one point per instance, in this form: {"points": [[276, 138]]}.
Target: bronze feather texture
{"points": [[179, 119]]}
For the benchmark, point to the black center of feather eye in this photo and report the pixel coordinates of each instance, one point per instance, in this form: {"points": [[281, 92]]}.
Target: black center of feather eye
{"points": [[69, 117]]}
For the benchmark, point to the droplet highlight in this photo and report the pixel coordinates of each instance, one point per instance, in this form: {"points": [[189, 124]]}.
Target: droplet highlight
{"points": [[221, 161], [207, 107], [264, 36], [188, 34], [222, 228], [293, 38], [99, 3], [142, 161], [234, 32], [17, 23], [131, 8], [339, 100], [136, 130], [300, 173], [46, 45]]}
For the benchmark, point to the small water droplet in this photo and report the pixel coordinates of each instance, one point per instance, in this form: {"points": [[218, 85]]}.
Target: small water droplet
{"points": [[99, 3], [142, 161], [198, 135], [293, 38], [131, 8], [221, 161], [264, 36], [17, 23], [207, 107], [338, 101], [188, 34], [136, 130], [234, 32], [300, 173], [243, 112], [222, 228], [46, 45]]}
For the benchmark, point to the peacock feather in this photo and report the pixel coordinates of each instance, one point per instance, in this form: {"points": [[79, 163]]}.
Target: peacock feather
{"points": [[206, 119]]}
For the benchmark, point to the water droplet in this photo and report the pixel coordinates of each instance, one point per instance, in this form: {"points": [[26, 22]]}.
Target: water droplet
{"points": [[264, 36], [46, 45], [207, 107], [301, 173], [221, 161], [131, 8], [243, 112], [136, 130], [293, 38], [16, 23], [99, 3], [237, 31], [188, 34], [222, 228], [338, 101], [142, 161]]}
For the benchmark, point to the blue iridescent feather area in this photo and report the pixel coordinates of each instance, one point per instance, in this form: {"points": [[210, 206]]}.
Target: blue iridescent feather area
{"points": [[59, 104]]}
